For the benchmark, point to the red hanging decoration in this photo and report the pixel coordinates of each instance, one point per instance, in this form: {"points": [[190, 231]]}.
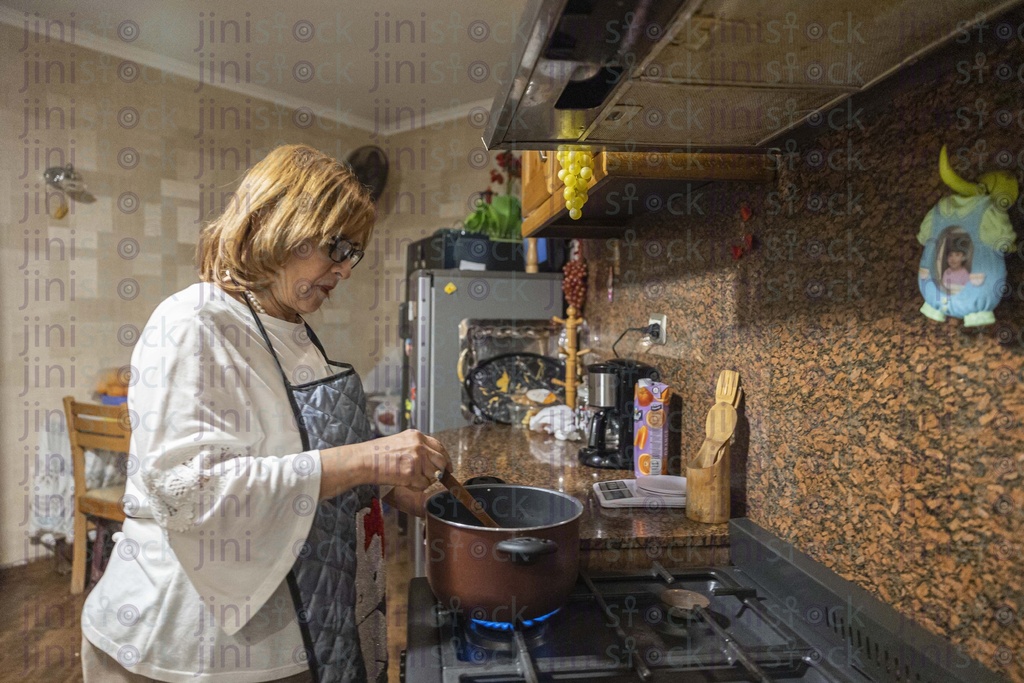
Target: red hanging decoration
{"points": [[574, 282], [738, 250]]}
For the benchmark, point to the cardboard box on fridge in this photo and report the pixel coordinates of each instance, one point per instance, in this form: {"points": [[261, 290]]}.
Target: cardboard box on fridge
{"points": [[651, 430]]}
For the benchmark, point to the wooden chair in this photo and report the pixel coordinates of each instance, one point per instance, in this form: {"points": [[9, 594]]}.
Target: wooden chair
{"points": [[92, 426]]}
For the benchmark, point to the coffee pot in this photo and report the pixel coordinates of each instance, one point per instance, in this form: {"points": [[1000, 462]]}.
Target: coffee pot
{"points": [[610, 396]]}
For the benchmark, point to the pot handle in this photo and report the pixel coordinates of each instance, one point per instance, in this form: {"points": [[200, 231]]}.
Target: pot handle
{"points": [[526, 550]]}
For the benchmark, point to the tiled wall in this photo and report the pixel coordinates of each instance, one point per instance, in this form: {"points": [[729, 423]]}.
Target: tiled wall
{"points": [[885, 445], [75, 292]]}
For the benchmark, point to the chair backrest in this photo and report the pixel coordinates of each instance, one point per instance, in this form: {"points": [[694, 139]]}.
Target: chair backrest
{"points": [[94, 426]]}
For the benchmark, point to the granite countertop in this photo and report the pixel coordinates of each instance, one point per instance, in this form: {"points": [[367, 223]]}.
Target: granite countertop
{"points": [[520, 456]]}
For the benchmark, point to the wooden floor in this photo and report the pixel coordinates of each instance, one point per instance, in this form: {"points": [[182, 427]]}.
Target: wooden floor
{"points": [[40, 628], [40, 634]]}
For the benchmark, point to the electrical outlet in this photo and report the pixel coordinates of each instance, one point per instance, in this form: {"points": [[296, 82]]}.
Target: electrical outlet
{"points": [[662, 320]]}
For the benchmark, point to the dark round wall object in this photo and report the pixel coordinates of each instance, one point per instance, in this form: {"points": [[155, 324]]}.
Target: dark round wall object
{"points": [[370, 165]]}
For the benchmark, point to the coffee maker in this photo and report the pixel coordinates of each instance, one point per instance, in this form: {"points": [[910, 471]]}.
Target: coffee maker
{"points": [[610, 388]]}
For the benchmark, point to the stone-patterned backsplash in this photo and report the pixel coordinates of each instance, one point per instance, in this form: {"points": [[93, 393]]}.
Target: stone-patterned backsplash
{"points": [[885, 445]]}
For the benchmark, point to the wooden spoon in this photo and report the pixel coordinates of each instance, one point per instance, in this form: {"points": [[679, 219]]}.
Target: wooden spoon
{"points": [[719, 427], [464, 497], [719, 454]]}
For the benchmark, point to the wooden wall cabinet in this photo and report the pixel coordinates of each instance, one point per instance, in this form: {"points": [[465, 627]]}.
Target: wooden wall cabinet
{"points": [[625, 185], [540, 172]]}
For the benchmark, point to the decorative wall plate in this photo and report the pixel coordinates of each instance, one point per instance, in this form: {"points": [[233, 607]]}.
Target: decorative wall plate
{"points": [[493, 384]]}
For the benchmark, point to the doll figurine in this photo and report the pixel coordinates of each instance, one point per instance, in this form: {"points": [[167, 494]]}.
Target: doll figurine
{"points": [[966, 237]]}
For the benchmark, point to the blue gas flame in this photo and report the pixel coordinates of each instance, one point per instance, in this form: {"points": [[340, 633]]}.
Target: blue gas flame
{"points": [[509, 626]]}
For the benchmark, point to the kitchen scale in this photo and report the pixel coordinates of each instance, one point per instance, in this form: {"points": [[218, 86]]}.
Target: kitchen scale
{"points": [[652, 492]]}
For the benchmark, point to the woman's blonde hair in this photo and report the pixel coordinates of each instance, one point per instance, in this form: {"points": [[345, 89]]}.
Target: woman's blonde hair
{"points": [[296, 193]]}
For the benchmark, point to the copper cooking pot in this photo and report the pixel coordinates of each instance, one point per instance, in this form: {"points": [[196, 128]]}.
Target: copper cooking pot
{"points": [[523, 570]]}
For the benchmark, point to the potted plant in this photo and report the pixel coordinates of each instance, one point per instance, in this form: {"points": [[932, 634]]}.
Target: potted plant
{"points": [[499, 215]]}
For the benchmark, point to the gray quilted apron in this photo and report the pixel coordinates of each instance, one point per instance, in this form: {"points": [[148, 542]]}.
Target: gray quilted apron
{"points": [[340, 609]]}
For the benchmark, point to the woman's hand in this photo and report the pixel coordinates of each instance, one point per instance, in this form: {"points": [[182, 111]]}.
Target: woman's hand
{"points": [[412, 502], [409, 459]]}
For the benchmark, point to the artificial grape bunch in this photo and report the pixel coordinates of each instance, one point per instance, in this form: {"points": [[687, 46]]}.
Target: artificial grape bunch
{"points": [[574, 282], [577, 169]]}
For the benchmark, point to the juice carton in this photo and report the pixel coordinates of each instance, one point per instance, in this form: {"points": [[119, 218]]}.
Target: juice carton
{"points": [[650, 427]]}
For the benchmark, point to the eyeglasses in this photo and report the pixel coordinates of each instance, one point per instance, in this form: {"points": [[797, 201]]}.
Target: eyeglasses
{"points": [[341, 249]]}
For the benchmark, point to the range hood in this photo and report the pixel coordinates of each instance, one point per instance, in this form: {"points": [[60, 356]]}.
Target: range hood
{"points": [[715, 75]]}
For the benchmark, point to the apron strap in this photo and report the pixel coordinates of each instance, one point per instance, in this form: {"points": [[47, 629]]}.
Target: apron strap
{"points": [[296, 410], [266, 338], [316, 342]]}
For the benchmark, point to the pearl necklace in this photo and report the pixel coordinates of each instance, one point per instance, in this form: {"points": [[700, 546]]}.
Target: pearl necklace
{"points": [[255, 303]]}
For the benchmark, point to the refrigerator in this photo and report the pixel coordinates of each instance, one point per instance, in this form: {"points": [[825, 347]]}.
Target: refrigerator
{"points": [[442, 307], [442, 310]]}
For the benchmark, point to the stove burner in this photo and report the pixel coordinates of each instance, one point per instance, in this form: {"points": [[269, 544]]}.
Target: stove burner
{"points": [[683, 613], [683, 601], [509, 626], [676, 624], [500, 637]]}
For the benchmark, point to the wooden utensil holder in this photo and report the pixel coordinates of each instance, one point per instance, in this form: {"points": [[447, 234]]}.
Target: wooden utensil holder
{"points": [[707, 491]]}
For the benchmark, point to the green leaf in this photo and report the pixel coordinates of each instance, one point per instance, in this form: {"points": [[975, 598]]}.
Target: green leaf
{"points": [[508, 216], [501, 218]]}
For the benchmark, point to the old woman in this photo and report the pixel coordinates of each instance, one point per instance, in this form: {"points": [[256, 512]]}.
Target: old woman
{"points": [[253, 546]]}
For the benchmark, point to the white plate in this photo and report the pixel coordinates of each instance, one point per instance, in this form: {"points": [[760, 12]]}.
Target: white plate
{"points": [[539, 396], [662, 484]]}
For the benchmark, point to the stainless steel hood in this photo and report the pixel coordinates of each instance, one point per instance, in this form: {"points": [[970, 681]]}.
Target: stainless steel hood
{"points": [[693, 75]]}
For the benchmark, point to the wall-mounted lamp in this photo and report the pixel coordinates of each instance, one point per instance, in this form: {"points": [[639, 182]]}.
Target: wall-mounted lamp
{"points": [[70, 182]]}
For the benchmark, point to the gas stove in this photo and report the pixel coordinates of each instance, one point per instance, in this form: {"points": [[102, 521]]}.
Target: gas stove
{"points": [[616, 629], [773, 615]]}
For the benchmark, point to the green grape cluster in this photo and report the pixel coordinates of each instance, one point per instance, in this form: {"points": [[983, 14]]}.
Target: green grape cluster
{"points": [[577, 169]]}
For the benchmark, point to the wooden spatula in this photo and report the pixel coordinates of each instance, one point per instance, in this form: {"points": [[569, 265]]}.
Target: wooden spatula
{"points": [[721, 420], [733, 394], [464, 497], [728, 388]]}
